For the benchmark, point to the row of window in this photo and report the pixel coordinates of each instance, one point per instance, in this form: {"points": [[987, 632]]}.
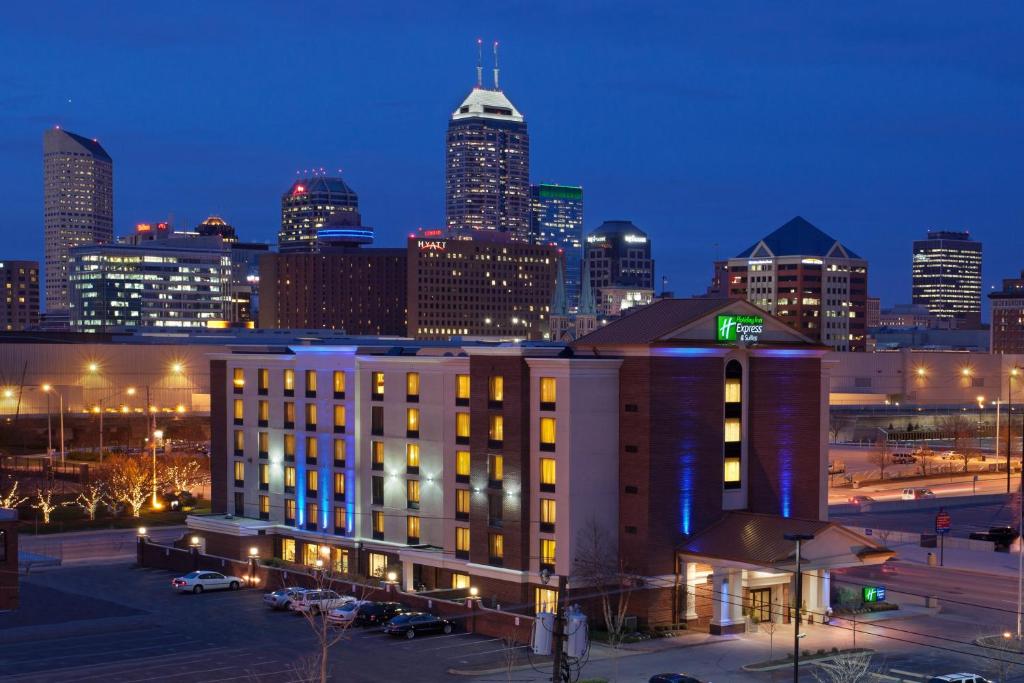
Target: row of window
{"points": [[288, 382], [309, 412], [312, 447]]}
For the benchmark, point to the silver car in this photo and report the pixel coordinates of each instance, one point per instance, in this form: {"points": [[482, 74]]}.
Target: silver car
{"points": [[282, 597]]}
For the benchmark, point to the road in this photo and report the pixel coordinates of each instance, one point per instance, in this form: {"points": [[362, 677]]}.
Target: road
{"points": [[85, 546]]}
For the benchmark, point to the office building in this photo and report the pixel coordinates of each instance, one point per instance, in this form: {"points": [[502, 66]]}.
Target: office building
{"points": [[484, 285], [911, 315], [1008, 316], [245, 281], [947, 276], [167, 283], [307, 206], [19, 307], [808, 279], [556, 214], [473, 464], [215, 226], [487, 165], [360, 291], [618, 257], [78, 206], [873, 312]]}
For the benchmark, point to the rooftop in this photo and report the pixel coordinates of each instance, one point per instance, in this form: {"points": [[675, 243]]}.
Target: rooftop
{"points": [[316, 184], [487, 104], [798, 237], [650, 323]]}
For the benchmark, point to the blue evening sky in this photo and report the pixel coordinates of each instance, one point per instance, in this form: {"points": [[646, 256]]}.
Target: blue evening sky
{"points": [[708, 124]]}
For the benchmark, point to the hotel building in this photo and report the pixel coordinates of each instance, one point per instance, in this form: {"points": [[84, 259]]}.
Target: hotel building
{"points": [[690, 433]]}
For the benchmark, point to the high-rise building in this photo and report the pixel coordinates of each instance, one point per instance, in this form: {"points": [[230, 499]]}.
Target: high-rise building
{"points": [[307, 206], [618, 256], [809, 280], [78, 205], [1008, 316], [487, 165], [19, 305], [215, 226], [360, 291], [166, 283], [556, 217], [947, 276], [483, 285]]}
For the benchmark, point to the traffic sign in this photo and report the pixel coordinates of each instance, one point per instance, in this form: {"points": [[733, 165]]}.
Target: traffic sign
{"points": [[943, 522]]}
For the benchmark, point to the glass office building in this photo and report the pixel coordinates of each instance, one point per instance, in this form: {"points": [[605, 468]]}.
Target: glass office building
{"points": [[556, 217]]}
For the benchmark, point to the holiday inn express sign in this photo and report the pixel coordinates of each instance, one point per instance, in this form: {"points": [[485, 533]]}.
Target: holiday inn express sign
{"points": [[746, 329]]}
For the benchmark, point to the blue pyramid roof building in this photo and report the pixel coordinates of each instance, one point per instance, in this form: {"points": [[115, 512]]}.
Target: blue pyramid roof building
{"points": [[798, 237]]}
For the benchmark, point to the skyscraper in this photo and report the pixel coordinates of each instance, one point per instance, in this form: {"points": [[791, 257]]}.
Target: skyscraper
{"points": [[487, 164], [620, 267], [78, 205], [947, 276], [556, 215], [307, 206]]}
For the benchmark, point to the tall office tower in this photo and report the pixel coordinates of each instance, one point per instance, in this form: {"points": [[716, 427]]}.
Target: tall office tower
{"points": [[78, 205], [556, 217], [19, 296], [947, 276], [487, 165], [1008, 316], [618, 257], [215, 226], [307, 206], [813, 283]]}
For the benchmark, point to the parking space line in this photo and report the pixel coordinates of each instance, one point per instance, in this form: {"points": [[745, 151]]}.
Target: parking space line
{"points": [[451, 635]]}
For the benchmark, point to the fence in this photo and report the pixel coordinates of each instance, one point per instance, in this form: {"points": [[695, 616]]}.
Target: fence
{"points": [[471, 615], [42, 467]]}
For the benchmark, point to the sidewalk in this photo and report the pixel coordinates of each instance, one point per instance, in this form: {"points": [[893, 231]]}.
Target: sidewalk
{"points": [[986, 562]]}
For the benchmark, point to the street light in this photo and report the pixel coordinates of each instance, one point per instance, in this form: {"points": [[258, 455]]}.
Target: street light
{"points": [[49, 388], [157, 435], [798, 539], [93, 367]]}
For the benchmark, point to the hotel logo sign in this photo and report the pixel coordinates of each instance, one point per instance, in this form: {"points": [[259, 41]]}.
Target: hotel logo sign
{"points": [[746, 329], [432, 245]]}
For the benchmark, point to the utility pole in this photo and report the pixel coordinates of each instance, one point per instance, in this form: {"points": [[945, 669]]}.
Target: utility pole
{"points": [[798, 538], [1009, 429], [559, 633]]}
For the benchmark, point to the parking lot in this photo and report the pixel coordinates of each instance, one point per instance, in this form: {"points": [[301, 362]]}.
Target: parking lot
{"points": [[117, 622]]}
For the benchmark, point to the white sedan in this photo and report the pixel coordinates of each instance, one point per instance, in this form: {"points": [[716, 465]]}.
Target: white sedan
{"points": [[197, 582]]}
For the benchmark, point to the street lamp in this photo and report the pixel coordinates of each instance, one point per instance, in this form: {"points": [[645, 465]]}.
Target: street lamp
{"points": [[49, 388], [798, 539], [157, 435]]}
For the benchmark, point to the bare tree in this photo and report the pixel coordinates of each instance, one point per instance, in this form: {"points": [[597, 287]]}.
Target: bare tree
{"points": [[835, 426], [11, 499], [880, 456], [925, 459], [130, 481], [92, 498], [1006, 658], [45, 503], [326, 632], [845, 668], [183, 473], [598, 567], [961, 430], [770, 627]]}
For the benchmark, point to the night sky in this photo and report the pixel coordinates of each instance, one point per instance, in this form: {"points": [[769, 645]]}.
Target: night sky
{"points": [[707, 124]]}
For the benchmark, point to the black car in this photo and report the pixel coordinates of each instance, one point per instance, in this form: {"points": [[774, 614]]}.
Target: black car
{"points": [[1002, 536], [379, 613], [414, 623], [673, 678]]}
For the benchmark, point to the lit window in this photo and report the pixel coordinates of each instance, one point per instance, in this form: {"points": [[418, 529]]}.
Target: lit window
{"points": [[460, 580], [732, 470], [496, 431], [732, 430], [289, 477], [340, 519], [264, 505], [412, 419], [462, 463], [412, 525], [264, 471], [239, 471], [548, 391], [412, 385], [412, 491], [733, 389], [264, 411], [310, 416], [462, 388], [378, 384], [310, 381], [311, 447], [496, 389], [310, 552], [378, 521], [462, 425], [547, 551], [462, 539], [547, 511], [462, 501], [378, 563], [289, 514], [547, 433], [495, 468], [239, 409], [288, 544], [239, 441], [263, 441], [496, 546], [238, 377], [546, 600], [312, 481], [339, 417], [289, 445], [339, 382], [547, 471], [339, 451], [289, 380], [412, 455], [377, 454], [339, 483]]}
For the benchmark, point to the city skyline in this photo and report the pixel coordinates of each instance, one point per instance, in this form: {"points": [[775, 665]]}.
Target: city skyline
{"points": [[861, 162]]}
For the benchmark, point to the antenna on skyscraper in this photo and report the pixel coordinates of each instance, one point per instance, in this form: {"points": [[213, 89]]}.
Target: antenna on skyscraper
{"points": [[496, 65], [479, 62]]}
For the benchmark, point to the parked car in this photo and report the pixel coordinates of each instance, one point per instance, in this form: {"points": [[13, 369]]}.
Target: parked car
{"points": [[282, 597], [347, 614], [412, 624], [378, 613], [1002, 536], [197, 582], [860, 500], [674, 678], [836, 467], [903, 458], [916, 493], [950, 455], [316, 601], [959, 678]]}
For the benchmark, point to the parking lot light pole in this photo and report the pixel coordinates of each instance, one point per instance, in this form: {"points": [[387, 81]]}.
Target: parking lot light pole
{"points": [[254, 557], [798, 538]]}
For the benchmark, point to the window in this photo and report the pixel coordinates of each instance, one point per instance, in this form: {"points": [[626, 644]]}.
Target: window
{"points": [[377, 386], [339, 419], [546, 600], [377, 490], [548, 393], [495, 471], [339, 452], [239, 473], [462, 467], [312, 511], [377, 454], [377, 420], [412, 529], [495, 391], [340, 520], [289, 382], [310, 383], [263, 443], [312, 481], [412, 422], [339, 384], [310, 554], [496, 431], [496, 548], [262, 381], [460, 580], [239, 442], [732, 447], [238, 379], [311, 450], [288, 548], [264, 473], [412, 458], [412, 387], [339, 559], [378, 565], [289, 515], [310, 417], [547, 515], [462, 542], [239, 411], [289, 415], [263, 416], [547, 433], [462, 504], [412, 494], [462, 390], [495, 510], [289, 480], [547, 474], [264, 507], [462, 428], [732, 471], [547, 553], [339, 486], [289, 447], [377, 518], [733, 389]]}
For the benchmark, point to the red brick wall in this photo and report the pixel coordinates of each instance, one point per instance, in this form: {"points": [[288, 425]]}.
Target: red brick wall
{"points": [[218, 436]]}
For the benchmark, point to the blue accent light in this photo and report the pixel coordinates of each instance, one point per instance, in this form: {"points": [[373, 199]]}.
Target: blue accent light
{"points": [[687, 461], [350, 506], [788, 353], [785, 437], [687, 351]]}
